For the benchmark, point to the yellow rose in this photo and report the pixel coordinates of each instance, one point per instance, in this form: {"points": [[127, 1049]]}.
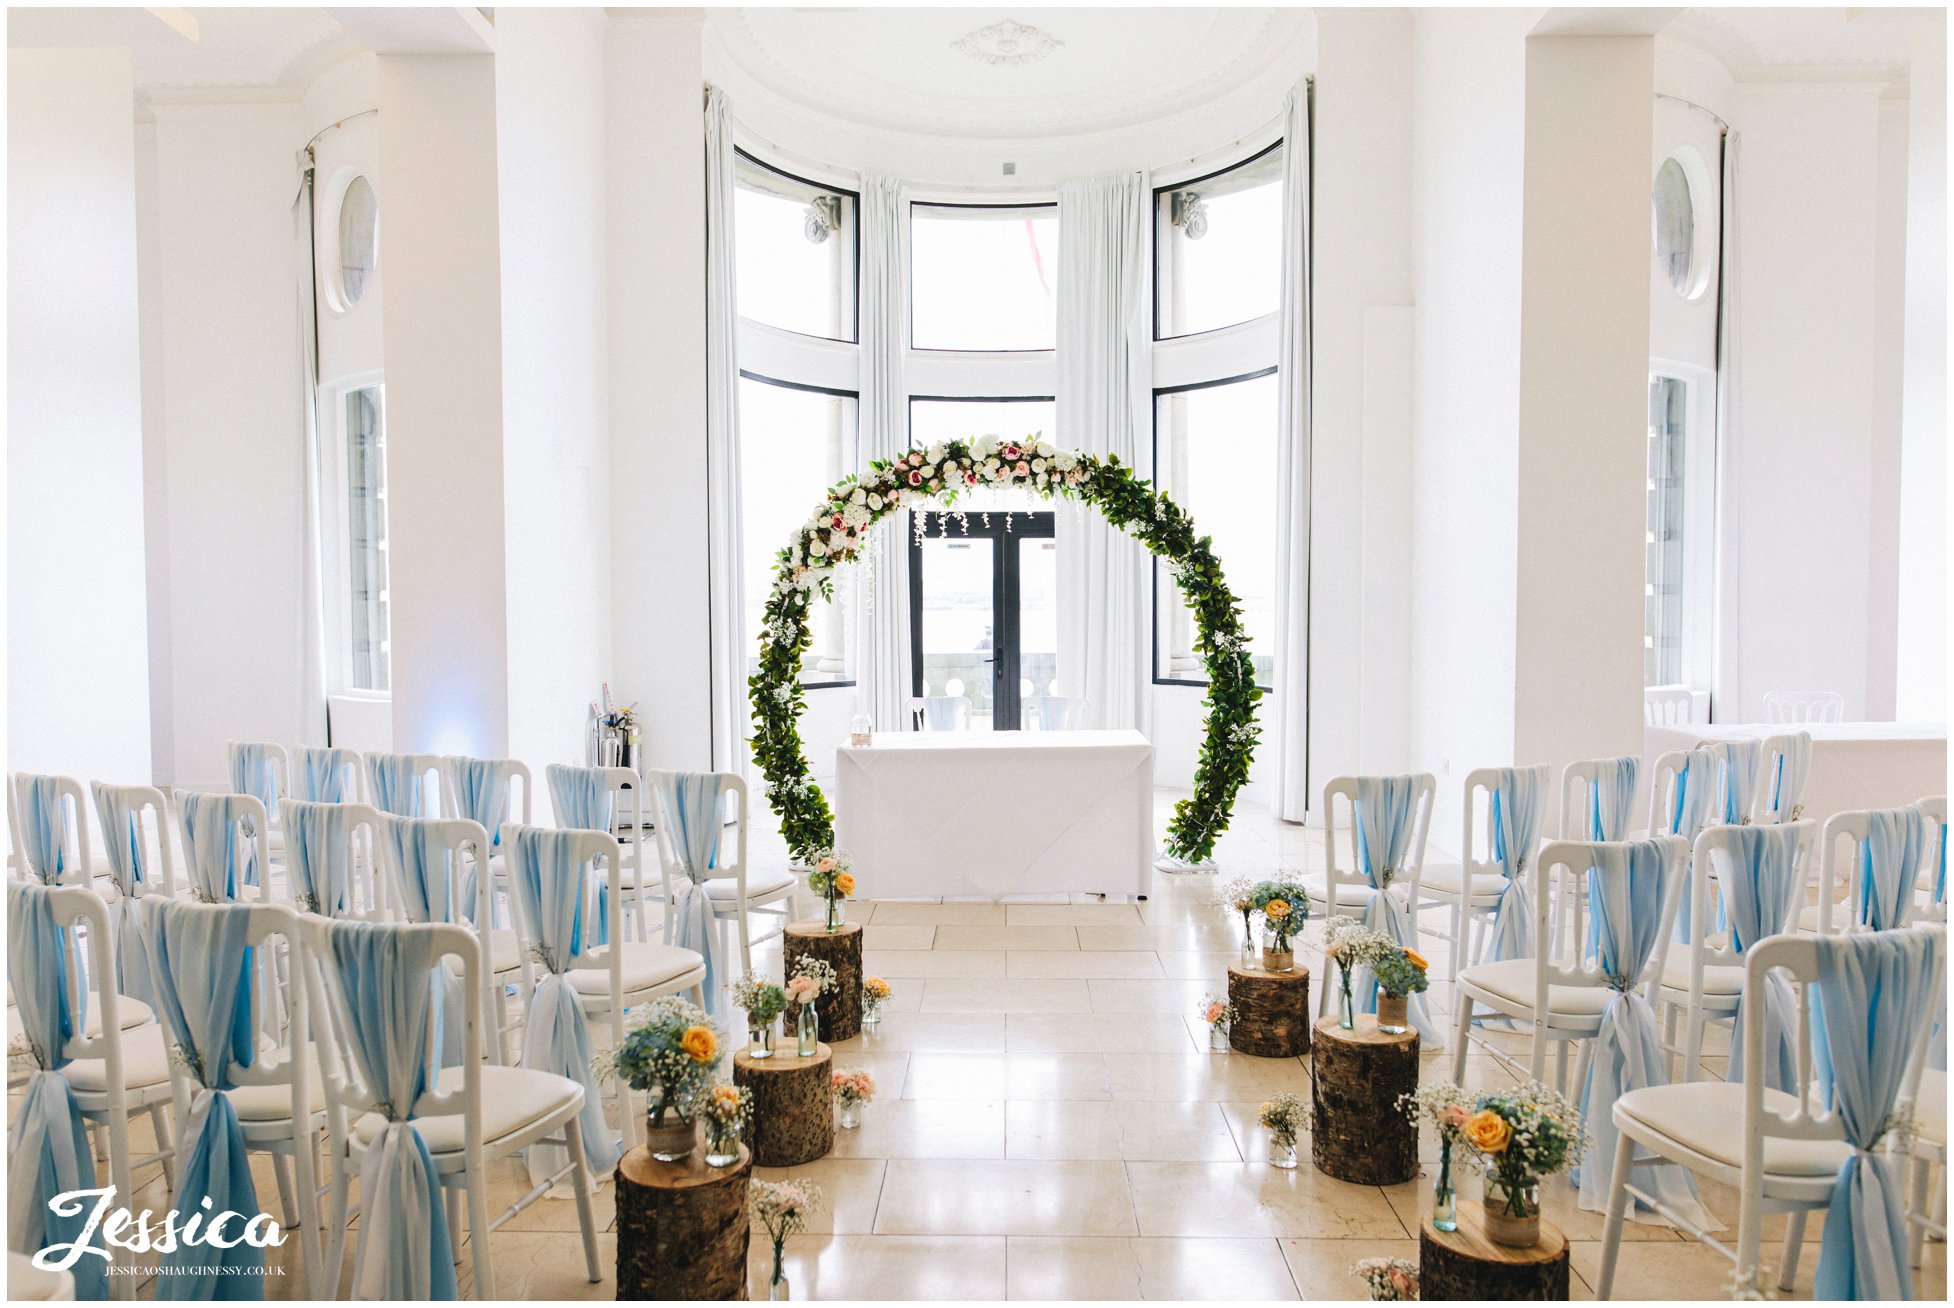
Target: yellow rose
{"points": [[726, 1096], [1487, 1131], [699, 1044], [1417, 960], [844, 884], [1276, 908]]}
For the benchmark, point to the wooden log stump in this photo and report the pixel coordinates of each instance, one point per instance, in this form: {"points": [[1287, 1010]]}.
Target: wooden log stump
{"points": [[793, 1104], [840, 1009], [1465, 1264], [1358, 1133], [681, 1227], [1271, 1011]]}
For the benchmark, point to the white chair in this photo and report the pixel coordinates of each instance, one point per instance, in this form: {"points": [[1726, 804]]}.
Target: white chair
{"points": [[1782, 1149], [405, 785], [1054, 712], [484, 790], [1926, 1201], [1666, 706], [1804, 706], [1597, 797], [735, 892], [468, 1116], [332, 870], [325, 775], [263, 770], [1560, 993], [50, 824], [940, 712], [138, 852], [608, 799], [1471, 891], [1933, 881], [1868, 904], [1345, 891], [1785, 767], [224, 836], [609, 975]]}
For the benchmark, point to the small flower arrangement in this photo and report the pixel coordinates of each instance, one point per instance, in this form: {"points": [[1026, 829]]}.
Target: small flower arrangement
{"points": [[1401, 972], [782, 1207], [1442, 1103], [1387, 1279], [854, 1086], [1283, 1115], [1354, 945], [1218, 1013], [1238, 896], [672, 1054], [813, 977], [1284, 906], [834, 880], [875, 993], [1521, 1135], [728, 1107], [762, 1001]]}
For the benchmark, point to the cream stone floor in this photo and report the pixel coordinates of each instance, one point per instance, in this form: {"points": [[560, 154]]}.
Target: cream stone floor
{"points": [[1051, 1125]]}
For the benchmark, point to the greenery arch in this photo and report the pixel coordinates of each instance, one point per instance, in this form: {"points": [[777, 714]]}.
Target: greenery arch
{"points": [[937, 475]]}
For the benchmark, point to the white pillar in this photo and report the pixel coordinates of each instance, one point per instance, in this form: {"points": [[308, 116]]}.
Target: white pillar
{"points": [[1922, 679]]}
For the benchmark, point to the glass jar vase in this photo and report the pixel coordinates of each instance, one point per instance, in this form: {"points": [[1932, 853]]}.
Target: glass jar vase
{"points": [[1218, 1037], [1282, 1153], [1393, 1013], [722, 1143], [1512, 1211], [1278, 952], [760, 1040], [871, 1012], [851, 1114]]}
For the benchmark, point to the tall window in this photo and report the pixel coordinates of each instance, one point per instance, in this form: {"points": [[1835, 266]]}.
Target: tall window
{"points": [[794, 252], [985, 277], [363, 428], [1664, 590], [1217, 262]]}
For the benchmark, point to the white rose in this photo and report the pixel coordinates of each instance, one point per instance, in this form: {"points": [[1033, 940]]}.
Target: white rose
{"points": [[816, 548], [934, 454], [874, 502], [859, 495], [1037, 465]]}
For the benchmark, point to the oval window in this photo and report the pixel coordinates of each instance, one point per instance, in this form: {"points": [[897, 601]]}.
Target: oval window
{"points": [[359, 240], [1675, 227]]}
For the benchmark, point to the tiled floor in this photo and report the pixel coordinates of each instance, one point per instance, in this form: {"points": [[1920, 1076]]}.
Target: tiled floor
{"points": [[1051, 1125]]}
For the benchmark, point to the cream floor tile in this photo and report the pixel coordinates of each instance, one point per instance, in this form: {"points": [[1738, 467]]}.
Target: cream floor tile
{"points": [[1213, 936], [945, 1033], [1013, 1076], [1176, 995], [1013, 937], [1669, 1271], [1047, 1267], [1156, 1033], [850, 1190], [509, 1181], [911, 964], [1210, 965], [895, 936], [1165, 1131], [1005, 1198], [1322, 1267], [947, 995], [888, 1068], [1252, 1138], [926, 1128], [1235, 1199], [1061, 1129], [1198, 1076], [843, 1267], [932, 913], [544, 1265], [1097, 965], [1213, 1269], [1072, 914]]}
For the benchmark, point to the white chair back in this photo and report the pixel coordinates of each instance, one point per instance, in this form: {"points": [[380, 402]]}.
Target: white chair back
{"points": [[1054, 712], [267, 789], [1804, 706], [627, 818], [940, 712], [327, 775], [64, 812], [368, 893], [1666, 706], [1577, 799], [246, 826], [505, 774], [1566, 960], [731, 860], [603, 863], [1715, 849], [1934, 876], [149, 814], [1782, 772], [422, 799], [1853, 827], [1343, 818]]}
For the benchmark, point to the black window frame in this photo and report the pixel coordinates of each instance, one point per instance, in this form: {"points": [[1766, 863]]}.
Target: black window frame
{"points": [[909, 333], [1005, 531], [1153, 220], [855, 290]]}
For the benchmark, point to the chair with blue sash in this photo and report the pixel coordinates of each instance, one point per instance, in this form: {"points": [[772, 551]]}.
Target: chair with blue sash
{"points": [[236, 1093], [1387, 819], [142, 866], [326, 776], [1933, 884], [1597, 798], [705, 881], [262, 770], [484, 790], [1738, 763], [1680, 791], [1759, 873], [576, 972], [1783, 770], [1820, 1143], [410, 1136], [1563, 993], [50, 825], [405, 785], [1890, 852], [434, 865], [1486, 896], [609, 799], [332, 851], [224, 846]]}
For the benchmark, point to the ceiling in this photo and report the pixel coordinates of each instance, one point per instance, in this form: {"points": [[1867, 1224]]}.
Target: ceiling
{"points": [[232, 48], [1805, 45], [1005, 73]]}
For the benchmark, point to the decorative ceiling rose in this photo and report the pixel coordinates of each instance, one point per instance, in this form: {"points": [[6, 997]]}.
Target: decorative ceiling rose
{"points": [[1007, 42]]}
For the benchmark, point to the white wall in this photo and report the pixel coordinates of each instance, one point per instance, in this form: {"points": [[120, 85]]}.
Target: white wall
{"points": [[230, 441], [1922, 600], [1468, 107], [77, 668], [550, 147], [1889, 360], [440, 243]]}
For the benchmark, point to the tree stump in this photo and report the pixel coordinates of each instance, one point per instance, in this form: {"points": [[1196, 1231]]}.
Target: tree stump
{"points": [[793, 1104], [840, 1009], [681, 1227], [1358, 1133], [1271, 1011], [1464, 1264]]}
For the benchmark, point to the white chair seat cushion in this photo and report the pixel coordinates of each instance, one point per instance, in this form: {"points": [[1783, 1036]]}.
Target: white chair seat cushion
{"points": [[758, 883], [504, 951], [1349, 895], [145, 1063], [646, 966], [273, 1103], [512, 1098], [1930, 1108], [1444, 880], [129, 1014], [1511, 980], [1719, 979], [1708, 1117]]}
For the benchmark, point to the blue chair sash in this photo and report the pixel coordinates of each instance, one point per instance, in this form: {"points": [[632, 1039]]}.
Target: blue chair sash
{"points": [[43, 827], [1515, 823], [1791, 765], [1382, 812], [326, 776], [430, 886], [582, 798], [1761, 891], [210, 847], [1737, 763], [319, 856], [122, 844], [1611, 796], [553, 894], [693, 805], [396, 785], [1689, 813], [252, 773], [1889, 864], [404, 1251], [47, 1149], [1872, 988], [482, 792], [201, 977], [1626, 887]]}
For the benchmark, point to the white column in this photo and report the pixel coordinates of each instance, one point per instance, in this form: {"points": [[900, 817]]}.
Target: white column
{"points": [[1922, 680]]}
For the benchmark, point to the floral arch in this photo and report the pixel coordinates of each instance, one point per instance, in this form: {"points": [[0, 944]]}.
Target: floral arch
{"points": [[939, 474]]}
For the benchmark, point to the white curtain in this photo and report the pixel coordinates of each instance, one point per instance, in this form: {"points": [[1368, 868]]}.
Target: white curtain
{"points": [[1726, 701], [881, 627], [1104, 390], [312, 611], [1289, 731], [725, 566]]}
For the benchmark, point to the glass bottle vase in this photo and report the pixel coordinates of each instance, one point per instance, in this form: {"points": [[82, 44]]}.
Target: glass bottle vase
{"points": [[1445, 1202], [807, 1031], [1346, 1004], [1251, 955], [777, 1288]]}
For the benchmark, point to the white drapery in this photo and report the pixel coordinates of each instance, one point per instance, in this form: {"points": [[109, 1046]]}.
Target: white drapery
{"points": [[725, 565], [312, 610], [1290, 730], [1104, 389], [1726, 703], [881, 626]]}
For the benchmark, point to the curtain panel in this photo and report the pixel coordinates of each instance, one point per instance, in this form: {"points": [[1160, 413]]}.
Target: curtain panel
{"points": [[725, 567], [1289, 731]]}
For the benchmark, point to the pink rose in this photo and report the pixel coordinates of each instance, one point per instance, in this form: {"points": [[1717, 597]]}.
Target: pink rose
{"points": [[825, 865], [1024, 469], [801, 990], [1010, 452], [916, 459], [970, 478], [915, 478], [1453, 1116]]}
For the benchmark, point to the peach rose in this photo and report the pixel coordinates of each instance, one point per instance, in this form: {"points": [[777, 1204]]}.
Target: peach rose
{"points": [[699, 1044], [844, 884], [1487, 1131], [825, 865]]}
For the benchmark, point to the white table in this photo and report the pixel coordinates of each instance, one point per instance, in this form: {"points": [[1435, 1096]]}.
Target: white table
{"points": [[993, 813], [1854, 764]]}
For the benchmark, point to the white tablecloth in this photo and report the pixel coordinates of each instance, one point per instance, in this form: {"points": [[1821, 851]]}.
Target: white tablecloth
{"points": [[996, 813], [1854, 764]]}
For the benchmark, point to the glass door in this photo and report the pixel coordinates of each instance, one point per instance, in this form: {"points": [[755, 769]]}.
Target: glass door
{"points": [[983, 603]]}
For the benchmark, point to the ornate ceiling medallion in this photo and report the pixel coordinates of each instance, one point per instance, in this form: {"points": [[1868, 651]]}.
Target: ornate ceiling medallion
{"points": [[1007, 42]]}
